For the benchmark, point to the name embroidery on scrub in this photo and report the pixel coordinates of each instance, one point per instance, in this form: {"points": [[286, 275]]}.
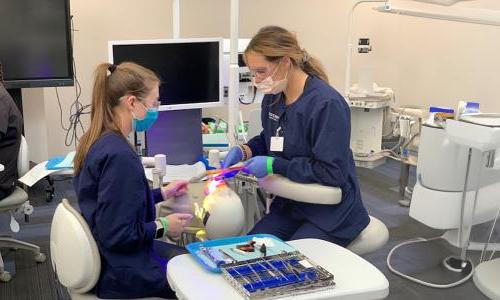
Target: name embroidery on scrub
{"points": [[273, 117]]}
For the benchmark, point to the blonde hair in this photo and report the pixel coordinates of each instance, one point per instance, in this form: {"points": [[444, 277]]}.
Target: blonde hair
{"points": [[275, 42], [124, 79]]}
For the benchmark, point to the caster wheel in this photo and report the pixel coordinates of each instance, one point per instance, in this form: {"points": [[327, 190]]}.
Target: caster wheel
{"points": [[40, 258], [5, 276], [28, 209]]}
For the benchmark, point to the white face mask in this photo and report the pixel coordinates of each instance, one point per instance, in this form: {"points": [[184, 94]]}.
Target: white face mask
{"points": [[271, 86]]}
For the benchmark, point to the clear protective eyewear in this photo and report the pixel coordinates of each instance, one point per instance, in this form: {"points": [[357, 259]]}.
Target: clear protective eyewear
{"points": [[262, 73], [154, 106]]}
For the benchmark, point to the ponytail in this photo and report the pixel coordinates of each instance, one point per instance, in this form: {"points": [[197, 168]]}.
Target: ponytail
{"points": [[124, 79], [313, 66]]}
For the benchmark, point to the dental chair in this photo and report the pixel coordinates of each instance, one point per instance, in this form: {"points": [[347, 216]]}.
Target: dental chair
{"points": [[18, 200], [458, 179], [372, 238], [75, 257]]}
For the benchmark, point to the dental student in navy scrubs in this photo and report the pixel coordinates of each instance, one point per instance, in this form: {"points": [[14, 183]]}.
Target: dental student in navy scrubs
{"points": [[305, 137], [113, 192]]}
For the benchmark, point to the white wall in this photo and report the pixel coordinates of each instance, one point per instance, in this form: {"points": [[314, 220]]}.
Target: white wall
{"points": [[35, 123], [96, 22], [433, 62], [427, 62]]}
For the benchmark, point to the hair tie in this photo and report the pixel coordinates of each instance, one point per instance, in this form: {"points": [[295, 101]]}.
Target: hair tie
{"points": [[112, 68]]}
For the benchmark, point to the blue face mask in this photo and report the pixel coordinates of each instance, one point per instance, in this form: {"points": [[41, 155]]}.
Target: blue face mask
{"points": [[147, 122]]}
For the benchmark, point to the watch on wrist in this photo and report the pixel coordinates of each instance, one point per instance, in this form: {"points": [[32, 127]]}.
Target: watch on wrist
{"points": [[159, 230]]}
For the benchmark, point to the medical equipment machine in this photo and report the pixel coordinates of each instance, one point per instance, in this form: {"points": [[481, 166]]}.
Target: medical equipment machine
{"points": [[458, 179], [262, 266], [365, 133], [368, 110], [375, 120], [370, 105], [247, 93]]}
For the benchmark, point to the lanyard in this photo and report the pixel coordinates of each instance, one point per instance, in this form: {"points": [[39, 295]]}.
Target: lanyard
{"points": [[278, 130], [277, 141], [281, 122]]}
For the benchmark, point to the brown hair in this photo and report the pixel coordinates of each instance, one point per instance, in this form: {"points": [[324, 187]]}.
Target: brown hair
{"points": [[124, 79], [275, 42]]}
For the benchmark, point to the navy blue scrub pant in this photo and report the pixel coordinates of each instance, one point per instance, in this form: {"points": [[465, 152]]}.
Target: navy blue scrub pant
{"points": [[288, 223], [166, 252]]}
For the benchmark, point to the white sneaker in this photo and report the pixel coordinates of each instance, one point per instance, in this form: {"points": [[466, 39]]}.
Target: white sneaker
{"points": [[405, 202]]}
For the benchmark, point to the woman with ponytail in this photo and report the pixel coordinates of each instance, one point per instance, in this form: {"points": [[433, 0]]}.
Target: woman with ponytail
{"points": [[305, 137], [113, 193]]}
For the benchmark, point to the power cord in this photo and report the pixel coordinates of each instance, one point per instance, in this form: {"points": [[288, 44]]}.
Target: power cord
{"points": [[485, 249], [254, 94], [425, 283], [77, 109]]}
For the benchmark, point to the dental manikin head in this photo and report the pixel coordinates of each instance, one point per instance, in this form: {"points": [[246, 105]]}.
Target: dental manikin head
{"points": [[221, 211]]}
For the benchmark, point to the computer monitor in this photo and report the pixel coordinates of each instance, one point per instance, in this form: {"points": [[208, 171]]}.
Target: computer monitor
{"points": [[35, 43], [190, 69]]}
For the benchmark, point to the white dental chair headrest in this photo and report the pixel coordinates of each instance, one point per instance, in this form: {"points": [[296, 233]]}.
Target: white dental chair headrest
{"points": [[302, 192]]}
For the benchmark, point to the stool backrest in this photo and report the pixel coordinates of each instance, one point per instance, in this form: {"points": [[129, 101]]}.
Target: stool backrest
{"points": [[23, 160], [74, 252], [302, 192], [372, 238]]}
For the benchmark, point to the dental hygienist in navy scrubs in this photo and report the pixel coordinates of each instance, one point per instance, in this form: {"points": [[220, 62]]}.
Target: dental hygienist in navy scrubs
{"points": [[113, 193], [305, 137]]}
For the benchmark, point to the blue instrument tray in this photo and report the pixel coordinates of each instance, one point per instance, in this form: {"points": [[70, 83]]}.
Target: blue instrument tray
{"points": [[223, 245]]}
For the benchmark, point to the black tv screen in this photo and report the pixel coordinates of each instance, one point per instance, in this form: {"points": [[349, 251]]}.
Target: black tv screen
{"points": [[189, 71], [35, 43]]}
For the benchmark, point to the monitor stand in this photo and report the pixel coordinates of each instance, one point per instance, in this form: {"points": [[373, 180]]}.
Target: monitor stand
{"points": [[177, 134]]}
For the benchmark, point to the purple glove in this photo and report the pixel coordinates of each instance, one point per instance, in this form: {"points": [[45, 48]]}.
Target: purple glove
{"points": [[259, 166], [234, 156]]}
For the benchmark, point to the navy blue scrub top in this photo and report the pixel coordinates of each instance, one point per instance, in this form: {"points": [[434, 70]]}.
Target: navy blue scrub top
{"points": [[316, 130], [118, 205]]}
